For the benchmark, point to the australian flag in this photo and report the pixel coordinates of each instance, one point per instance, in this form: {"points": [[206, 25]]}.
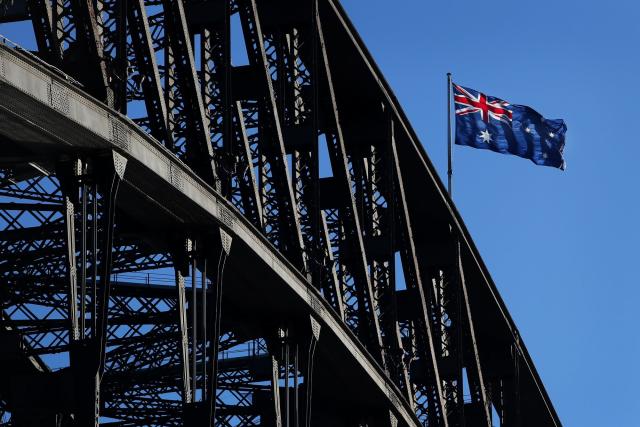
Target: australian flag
{"points": [[493, 124]]}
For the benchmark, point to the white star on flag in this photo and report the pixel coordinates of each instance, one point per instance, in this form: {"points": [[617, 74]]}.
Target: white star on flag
{"points": [[485, 136]]}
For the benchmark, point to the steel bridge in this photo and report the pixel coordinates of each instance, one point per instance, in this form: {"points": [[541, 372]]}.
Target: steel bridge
{"points": [[187, 240]]}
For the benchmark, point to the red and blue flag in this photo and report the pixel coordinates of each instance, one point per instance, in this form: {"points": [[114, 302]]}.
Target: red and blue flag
{"points": [[490, 123]]}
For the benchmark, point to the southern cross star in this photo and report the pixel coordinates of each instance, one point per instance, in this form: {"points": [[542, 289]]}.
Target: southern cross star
{"points": [[485, 136]]}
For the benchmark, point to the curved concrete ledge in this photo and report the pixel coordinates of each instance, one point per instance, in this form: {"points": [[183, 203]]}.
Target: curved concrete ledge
{"points": [[49, 115]]}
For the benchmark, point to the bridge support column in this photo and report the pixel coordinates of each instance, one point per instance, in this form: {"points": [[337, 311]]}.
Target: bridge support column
{"points": [[214, 318], [88, 355], [70, 176], [71, 396], [313, 342], [199, 370], [275, 389], [292, 355], [183, 255], [181, 266]]}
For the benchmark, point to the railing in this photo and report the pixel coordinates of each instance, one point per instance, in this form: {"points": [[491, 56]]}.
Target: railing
{"points": [[145, 278]]}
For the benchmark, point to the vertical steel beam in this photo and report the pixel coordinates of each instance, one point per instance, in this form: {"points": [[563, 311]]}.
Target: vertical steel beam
{"points": [[414, 280], [515, 416], [194, 322], [216, 322], [288, 222], [225, 118], [505, 391], [329, 280], [147, 65], [111, 186], [368, 328], [83, 252], [199, 149], [111, 193], [296, 387], [94, 259], [184, 333], [313, 342], [60, 12], [474, 346], [42, 17], [246, 176], [294, 107], [111, 29], [377, 192], [121, 66], [215, 81], [87, 33], [324, 274], [84, 360], [72, 276], [203, 322], [275, 390]]}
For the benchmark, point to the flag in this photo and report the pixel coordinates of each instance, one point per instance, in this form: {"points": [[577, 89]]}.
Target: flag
{"points": [[490, 123]]}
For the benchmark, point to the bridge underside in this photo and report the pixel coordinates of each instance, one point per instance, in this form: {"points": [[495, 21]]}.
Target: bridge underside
{"points": [[189, 238]]}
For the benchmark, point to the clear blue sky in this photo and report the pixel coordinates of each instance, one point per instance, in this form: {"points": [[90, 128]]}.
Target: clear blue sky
{"points": [[561, 246]]}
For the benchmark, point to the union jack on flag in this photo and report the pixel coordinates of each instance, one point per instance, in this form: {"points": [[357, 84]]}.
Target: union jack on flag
{"points": [[488, 107], [491, 123]]}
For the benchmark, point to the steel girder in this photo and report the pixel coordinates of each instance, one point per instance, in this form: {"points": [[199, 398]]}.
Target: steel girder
{"points": [[130, 305]]}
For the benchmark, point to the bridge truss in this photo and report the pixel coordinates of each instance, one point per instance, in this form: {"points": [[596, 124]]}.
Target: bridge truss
{"points": [[190, 239]]}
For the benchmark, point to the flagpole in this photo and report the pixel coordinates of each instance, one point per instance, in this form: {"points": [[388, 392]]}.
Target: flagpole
{"points": [[449, 146]]}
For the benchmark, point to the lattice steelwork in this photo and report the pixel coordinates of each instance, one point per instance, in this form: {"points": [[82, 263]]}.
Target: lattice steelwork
{"points": [[125, 304]]}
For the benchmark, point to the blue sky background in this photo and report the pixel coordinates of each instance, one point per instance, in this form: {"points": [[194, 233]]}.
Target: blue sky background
{"points": [[561, 246]]}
